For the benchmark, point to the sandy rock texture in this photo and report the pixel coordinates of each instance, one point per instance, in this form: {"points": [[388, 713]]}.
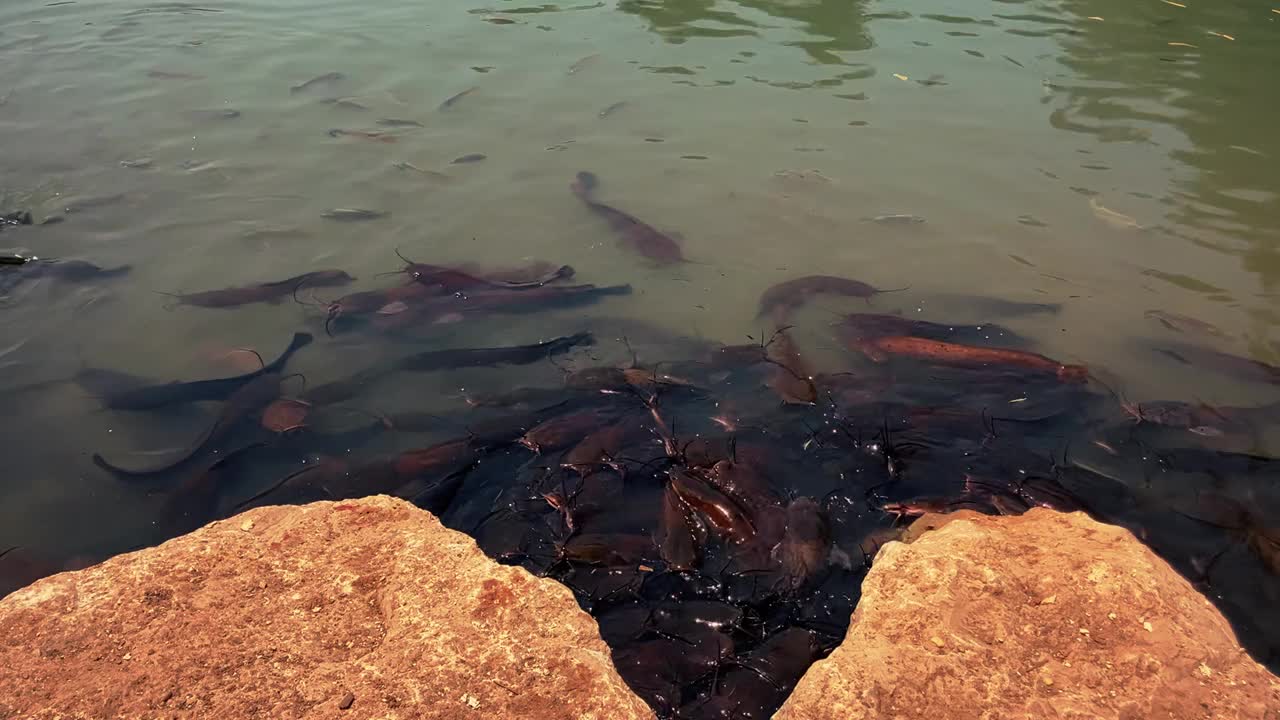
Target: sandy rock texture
{"points": [[358, 609], [1044, 615]]}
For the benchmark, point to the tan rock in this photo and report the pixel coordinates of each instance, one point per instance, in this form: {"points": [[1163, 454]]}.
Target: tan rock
{"points": [[359, 609], [981, 582]]}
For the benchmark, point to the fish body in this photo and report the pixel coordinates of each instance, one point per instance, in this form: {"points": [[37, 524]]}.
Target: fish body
{"points": [[352, 214], [325, 79], [399, 123], [946, 353], [635, 234], [247, 401], [363, 134], [786, 297], [857, 327], [721, 512], [151, 397], [1183, 323], [268, 292], [792, 379], [896, 219], [454, 99], [1225, 363]]}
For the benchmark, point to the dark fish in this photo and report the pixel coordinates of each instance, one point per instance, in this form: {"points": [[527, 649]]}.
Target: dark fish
{"points": [[429, 173], [245, 402], [471, 158], [453, 99], [363, 134], [565, 430], [612, 109], [176, 393], [681, 536], [857, 327], [721, 512], [269, 292], [19, 217], [990, 306], [435, 360], [805, 544], [453, 280], [945, 353], [613, 550], [896, 219], [352, 214], [635, 234], [1183, 323], [397, 123], [344, 103], [71, 270], [792, 379], [13, 260], [1225, 363], [1202, 418], [218, 114], [786, 297], [167, 75], [325, 79]]}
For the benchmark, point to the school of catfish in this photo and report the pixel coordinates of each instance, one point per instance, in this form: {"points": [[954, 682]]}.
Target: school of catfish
{"points": [[713, 507]]}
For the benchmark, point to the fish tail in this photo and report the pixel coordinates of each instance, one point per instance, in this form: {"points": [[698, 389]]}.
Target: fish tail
{"points": [[906, 287]]}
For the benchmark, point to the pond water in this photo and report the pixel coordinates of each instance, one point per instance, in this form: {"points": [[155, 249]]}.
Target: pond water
{"points": [[1115, 160]]}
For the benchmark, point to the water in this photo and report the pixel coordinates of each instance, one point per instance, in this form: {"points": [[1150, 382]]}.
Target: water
{"points": [[1066, 152]]}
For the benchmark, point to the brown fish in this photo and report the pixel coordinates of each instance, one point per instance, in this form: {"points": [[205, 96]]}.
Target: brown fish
{"points": [[681, 536], [268, 292], [453, 99], [1225, 363], [565, 430], [1183, 323], [248, 401], [857, 327], [792, 379], [945, 353], [635, 233], [805, 544], [721, 512], [786, 297], [363, 134]]}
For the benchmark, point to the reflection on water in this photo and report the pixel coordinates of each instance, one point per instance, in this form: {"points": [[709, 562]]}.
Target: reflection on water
{"points": [[1116, 161]]}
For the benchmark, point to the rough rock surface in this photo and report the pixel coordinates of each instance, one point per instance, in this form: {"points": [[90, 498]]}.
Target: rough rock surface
{"points": [[361, 609], [1040, 616]]}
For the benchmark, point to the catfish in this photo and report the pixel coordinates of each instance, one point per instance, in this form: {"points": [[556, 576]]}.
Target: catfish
{"points": [[151, 397]]}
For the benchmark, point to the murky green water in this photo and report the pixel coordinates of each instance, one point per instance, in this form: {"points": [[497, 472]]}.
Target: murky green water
{"points": [[1115, 158]]}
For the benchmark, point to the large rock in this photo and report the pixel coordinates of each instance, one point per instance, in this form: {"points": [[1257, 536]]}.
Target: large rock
{"points": [[362, 609], [1039, 616]]}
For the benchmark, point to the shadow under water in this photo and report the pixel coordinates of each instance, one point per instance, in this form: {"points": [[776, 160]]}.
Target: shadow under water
{"points": [[715, 508]]}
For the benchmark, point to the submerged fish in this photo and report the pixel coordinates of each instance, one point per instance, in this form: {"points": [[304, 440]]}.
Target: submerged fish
{"points": [[363, 134], [896, 219], [325, 79], [789, 295], [268, 292], [945, 353], [352, 214], [636, 234], [397, 123], [453, 99], [1183, 323], [1225, 363]]}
